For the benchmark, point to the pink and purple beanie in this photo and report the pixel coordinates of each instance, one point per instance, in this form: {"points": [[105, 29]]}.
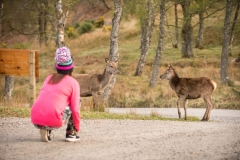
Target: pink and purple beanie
{"points": [[63, 59]]}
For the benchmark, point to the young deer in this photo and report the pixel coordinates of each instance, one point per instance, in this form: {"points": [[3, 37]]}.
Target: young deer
{"points": [[94, 84], [191, 88]]}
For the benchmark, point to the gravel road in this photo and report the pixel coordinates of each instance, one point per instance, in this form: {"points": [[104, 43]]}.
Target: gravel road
{"points": [[125, 139]]}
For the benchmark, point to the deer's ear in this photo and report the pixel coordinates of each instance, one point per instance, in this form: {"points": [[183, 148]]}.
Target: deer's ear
{"points": [[170, 66], [107, 60]]}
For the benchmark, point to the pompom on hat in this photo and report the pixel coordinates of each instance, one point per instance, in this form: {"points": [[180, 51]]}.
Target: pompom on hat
{"points": [[64, 62]]}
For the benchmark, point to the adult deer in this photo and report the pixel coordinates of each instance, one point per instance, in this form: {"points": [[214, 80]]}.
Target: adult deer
{"points": [[94, 84], [191, 88]]}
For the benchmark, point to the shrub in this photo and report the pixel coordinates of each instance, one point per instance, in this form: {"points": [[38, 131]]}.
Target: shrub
{"points": [[86, 27], [3, 45], [89, 21], [21, 46], [106, 28], [76, 25], [71, 32], [99, 23]]}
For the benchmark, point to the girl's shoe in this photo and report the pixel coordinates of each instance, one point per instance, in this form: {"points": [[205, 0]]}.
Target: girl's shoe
{"points": [[45, 135], [72, 138]]}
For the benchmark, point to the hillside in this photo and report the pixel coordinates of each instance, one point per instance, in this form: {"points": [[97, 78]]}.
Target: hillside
{"points": [[90, 50]]}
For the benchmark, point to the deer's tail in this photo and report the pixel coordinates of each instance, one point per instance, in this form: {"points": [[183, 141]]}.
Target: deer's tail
{"points": [[214, 85]]}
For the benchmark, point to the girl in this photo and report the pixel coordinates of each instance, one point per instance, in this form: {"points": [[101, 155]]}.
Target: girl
{"points": [[58, 101]]}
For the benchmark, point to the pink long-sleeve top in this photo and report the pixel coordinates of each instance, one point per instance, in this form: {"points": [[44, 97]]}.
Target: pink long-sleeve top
{"points": [[48, 108]]}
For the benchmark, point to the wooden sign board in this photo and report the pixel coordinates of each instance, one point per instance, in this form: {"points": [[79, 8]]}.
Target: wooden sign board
{"points": [[17, 62]]}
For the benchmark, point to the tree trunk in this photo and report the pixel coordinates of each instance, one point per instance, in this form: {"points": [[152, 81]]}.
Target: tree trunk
{"points": [[9, 80], [232, 29], [113, 54], [40, 23], [146, 36], [225, 43], [1, 17], [186, 30], [159, 51], [9, 84], [61, 21], [200, 31], [175, 44], [45, 22]]}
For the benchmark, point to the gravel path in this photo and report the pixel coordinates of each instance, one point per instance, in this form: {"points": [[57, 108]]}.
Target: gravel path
{"points": [[124, 139]]}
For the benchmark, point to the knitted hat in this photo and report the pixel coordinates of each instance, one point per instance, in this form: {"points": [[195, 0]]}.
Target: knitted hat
{"points": [[64, 62]]}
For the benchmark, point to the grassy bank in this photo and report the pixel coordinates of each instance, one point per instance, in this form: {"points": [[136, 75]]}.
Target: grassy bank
{"points": [[24, 112]]}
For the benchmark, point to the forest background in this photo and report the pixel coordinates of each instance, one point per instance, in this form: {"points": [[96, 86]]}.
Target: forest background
{"points": [[87, 34]]}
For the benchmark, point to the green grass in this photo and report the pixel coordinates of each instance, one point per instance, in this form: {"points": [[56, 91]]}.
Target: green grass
{"points": [[14, 112], [25, 113]]}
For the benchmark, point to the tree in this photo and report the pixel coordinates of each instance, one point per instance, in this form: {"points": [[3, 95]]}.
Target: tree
{"points": [[43, 21], [187, 29], [190, 8], [201, 24], [159, 51], [147, 28], [205, 9], [9, 80], [1, 17], [175, 44], [233, 27], [61, 21], [113, 54], [225, 43]]}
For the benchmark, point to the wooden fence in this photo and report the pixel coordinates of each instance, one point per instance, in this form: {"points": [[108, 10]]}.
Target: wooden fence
{"points": [[18, 62]]}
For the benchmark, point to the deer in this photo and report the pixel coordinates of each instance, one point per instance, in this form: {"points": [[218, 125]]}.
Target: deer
{"points": [[94, 84], [191, 88]]}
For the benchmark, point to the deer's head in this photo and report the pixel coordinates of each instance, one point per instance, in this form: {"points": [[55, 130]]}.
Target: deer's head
{"points": [[168, 74], [111, 66]]}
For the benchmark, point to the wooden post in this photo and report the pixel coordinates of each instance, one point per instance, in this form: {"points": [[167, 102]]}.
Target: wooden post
{"points": [[32, 85]]}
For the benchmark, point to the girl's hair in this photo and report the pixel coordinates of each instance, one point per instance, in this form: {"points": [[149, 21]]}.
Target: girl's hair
{"points": [[57, 77]]}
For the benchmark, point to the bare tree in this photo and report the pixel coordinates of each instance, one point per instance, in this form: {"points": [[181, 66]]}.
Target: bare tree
{"points": [[175, 44], [201, 26], [42, 21], [147, 29], [159, 51], [61, 21], [204, 10], [9, 80], [232, 29], [187, 29], [113, 54], [225, 44], [1, 17]]}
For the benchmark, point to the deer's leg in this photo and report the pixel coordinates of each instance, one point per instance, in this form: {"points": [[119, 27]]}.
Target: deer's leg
{"points": [[95, 101], [180, 99], [208, 102], [185, 108]]}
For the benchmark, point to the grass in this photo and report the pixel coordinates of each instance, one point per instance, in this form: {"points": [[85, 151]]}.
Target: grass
{"points": [[25, 113]]}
